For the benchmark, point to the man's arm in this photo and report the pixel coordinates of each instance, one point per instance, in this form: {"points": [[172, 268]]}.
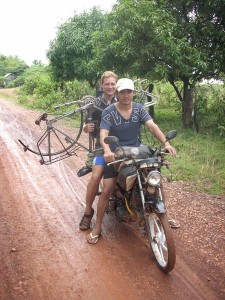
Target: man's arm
{"points": [[108, 154], [156, 131]]}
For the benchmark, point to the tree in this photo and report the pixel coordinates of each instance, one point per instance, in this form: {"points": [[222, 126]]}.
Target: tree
{"points": [[11, 64], [71, 53], [202, 24], [180, 41], [36, 77]]}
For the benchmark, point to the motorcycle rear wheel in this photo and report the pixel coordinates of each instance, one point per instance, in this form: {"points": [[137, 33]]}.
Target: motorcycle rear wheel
{"points": [[161, 240]]}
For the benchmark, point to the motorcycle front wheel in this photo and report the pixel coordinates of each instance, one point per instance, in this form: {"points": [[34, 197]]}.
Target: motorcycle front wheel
{"points": [[161, 240]]}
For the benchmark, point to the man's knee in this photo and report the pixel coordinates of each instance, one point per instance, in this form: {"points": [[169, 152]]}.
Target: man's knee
{"points": [[95, 179], [106, 192], [108, 186]]}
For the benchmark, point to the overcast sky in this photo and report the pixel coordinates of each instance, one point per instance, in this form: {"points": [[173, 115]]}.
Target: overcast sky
{"points": [[27, 26]]}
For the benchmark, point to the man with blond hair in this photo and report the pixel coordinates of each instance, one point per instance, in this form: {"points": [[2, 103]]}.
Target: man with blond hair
{"points": [[108, 84]]}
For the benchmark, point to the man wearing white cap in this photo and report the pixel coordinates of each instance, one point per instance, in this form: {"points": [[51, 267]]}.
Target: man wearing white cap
{"points": [[122, 119]]}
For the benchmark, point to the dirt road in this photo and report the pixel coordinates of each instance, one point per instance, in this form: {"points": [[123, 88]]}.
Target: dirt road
{"points": [[45, 256]]}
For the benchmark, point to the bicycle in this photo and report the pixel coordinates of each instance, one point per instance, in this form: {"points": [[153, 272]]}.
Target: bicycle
{"points": [[62, 131]]}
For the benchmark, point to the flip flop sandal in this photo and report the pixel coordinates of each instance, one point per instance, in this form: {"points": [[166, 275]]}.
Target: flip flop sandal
{"points": [[86, 224], [174, 224], [93, 239]]}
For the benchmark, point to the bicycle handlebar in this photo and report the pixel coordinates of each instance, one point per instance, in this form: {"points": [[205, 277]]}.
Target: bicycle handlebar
{"points": [[43, 117]]}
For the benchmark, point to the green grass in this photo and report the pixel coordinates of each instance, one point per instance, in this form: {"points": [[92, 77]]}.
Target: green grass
{"points": [[201, 158]]}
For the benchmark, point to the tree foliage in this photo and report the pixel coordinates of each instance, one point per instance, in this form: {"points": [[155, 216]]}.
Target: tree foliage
{"points": [[71, 53], [173, 40], [35, 78], [180, 41], [40, 91], [11, 64], [202, 24]]}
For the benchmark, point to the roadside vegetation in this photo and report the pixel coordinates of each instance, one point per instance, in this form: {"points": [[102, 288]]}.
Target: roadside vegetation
{"points": [[175, 47], [201, 158]]}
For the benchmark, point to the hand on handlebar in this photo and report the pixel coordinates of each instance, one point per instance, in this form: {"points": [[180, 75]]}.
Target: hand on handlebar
{"points": [[109, 156], [172, 151]]}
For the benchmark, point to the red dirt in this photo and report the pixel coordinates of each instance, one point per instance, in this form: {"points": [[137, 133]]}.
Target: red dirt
{"points": [[45, 256]]}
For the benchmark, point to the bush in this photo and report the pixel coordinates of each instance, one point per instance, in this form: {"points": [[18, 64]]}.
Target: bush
{"points": [[40, 92], [2, 81], [211, 108]]}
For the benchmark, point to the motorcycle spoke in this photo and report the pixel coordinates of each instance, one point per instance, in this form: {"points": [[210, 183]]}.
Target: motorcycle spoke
{"points": [[161, 240], [160, 245]]}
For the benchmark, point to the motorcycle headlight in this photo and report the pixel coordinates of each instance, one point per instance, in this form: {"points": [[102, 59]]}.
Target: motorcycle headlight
{"points": [[154, 178]]}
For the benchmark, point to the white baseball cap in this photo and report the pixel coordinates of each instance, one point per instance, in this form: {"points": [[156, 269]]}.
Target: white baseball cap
{"points": [[125, 84]]}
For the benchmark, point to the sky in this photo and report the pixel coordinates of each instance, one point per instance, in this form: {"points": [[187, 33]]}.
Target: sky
{"points": [[28, 26]]}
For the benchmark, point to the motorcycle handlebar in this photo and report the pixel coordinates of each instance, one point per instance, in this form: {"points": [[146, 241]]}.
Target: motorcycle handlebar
{"points": [[115, 161], [132, 156]]}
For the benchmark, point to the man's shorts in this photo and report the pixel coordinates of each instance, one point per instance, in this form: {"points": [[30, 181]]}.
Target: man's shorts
{"points": [[109, 171], [99, 161]]}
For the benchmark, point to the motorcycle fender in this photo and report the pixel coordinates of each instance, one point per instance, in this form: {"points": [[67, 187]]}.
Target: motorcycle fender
{"points": [[158, 206]]}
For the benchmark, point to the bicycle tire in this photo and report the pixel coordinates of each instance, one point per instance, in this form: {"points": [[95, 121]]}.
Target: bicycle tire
{"points": [[59, 134]]}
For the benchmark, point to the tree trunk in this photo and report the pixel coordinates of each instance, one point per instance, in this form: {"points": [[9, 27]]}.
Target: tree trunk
{"points": [[187, 107], [195, 109], [189, 103]]}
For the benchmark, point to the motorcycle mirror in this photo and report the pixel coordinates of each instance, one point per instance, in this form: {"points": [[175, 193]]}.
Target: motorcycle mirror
{"points": [[171, 135], [111, 140]]}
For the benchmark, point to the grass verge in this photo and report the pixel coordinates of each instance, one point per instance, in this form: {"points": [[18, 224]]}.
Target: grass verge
{"points": [[201, 158]]}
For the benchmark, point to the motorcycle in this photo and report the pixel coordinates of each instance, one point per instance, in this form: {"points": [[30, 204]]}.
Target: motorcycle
{"points": [[139, 185], [139, 190]]}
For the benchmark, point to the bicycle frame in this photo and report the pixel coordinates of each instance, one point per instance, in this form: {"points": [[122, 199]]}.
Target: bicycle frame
{"points": [[50, 156], [86, 104]]}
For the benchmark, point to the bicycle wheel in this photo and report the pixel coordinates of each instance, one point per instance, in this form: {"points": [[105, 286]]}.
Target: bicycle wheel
{"points": [[60, 133], [161, 240]]}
